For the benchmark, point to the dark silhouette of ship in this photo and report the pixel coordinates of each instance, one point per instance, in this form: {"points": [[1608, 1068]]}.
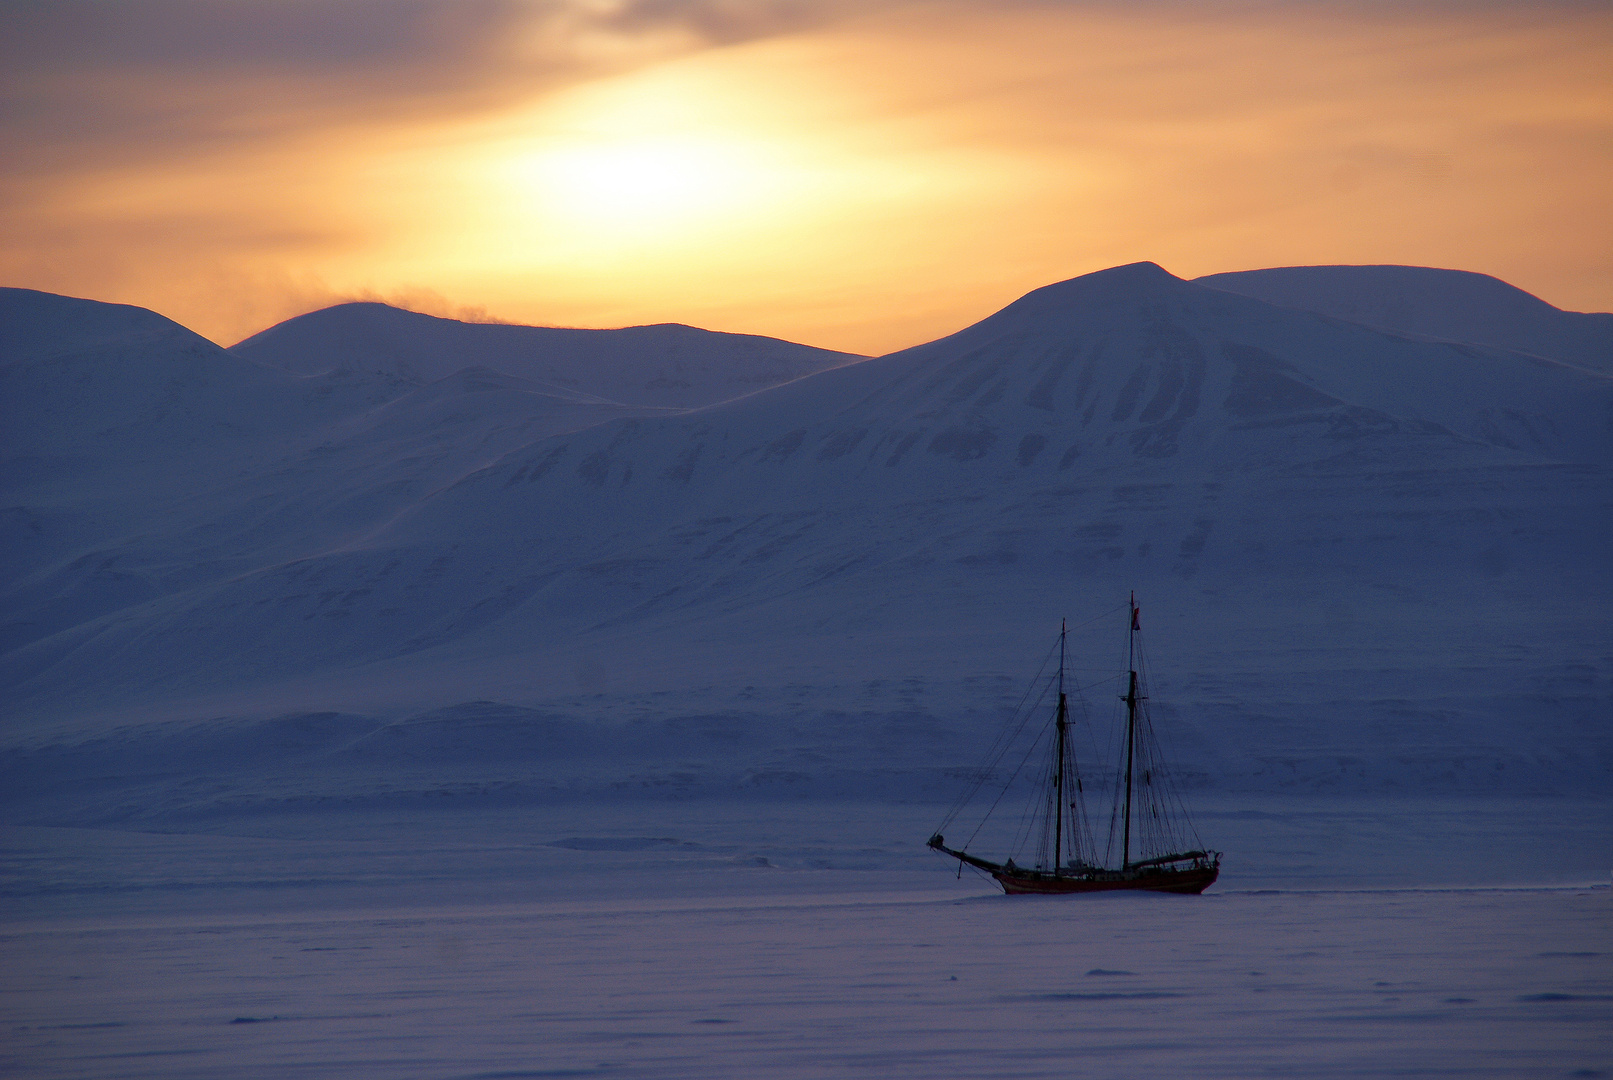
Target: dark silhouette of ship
{"points": [[1148, 813]]}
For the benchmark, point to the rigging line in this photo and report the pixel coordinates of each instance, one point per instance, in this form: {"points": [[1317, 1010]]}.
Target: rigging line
{"points": [[1005, 738], [1100, 615], [1176, 829], [993, 751], [1030, 815], [1039, 812], [1182, 830], [1080, 826], [996, 754], [991, 765], [1085, 713], [1011, 777]]}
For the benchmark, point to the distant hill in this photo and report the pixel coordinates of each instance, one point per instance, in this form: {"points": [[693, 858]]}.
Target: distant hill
{"points": [[1365, 559], [140, 458], [1452, 305], [669, 365]]}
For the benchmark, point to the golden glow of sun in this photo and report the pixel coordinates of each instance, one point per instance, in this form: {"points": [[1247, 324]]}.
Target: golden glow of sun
{"points": [[650, 183], [641, 162], [696, 182]]}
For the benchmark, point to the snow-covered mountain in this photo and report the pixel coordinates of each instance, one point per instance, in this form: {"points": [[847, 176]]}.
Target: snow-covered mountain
{"points": [[1364, 559], [670, 365], [142, 459], [351, 713], [1450, 305]]}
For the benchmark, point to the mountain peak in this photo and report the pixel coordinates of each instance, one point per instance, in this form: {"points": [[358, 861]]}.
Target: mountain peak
{"points": [[352, 314], [1109, 294], [365, 307], [1137, 277], [1137, 272]]}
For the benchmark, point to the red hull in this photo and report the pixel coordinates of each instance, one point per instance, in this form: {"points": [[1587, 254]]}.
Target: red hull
{"points": [[1191, 881]]}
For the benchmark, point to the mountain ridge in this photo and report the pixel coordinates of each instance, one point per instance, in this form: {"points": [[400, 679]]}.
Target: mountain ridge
{"points": [[1448, 305], [662, 364], [1308, 495]]}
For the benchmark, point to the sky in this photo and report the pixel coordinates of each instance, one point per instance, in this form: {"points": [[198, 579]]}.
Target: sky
{"points": [[860, 176]]}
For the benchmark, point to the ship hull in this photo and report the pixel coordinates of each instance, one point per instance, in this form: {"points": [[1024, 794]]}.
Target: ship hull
{"points": [[1191, 881]]}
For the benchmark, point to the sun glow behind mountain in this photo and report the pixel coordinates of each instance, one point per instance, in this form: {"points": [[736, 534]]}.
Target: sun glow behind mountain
{"points": [[630, 166], [858, 177], [655, 185]]}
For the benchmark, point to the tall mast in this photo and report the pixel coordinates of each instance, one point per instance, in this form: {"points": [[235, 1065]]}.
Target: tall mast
{"points": [[1058, 762], [1131, 727]]}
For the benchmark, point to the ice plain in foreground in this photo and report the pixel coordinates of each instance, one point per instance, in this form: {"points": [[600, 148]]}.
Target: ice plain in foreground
{"points": [[703, 940]]}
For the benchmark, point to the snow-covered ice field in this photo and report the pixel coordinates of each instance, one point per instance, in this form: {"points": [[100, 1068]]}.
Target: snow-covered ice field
{"points": [[1505, 983], [814, 939]]}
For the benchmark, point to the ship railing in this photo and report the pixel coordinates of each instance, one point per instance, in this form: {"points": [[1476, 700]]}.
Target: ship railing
{"points": [[1181, 856]]}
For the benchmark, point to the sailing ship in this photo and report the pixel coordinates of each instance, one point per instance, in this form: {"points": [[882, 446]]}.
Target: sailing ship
{"points": [[1148, 815]]}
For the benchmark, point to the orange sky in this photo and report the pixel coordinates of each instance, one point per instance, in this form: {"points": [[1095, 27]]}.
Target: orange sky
{"points": [[859, 176]]}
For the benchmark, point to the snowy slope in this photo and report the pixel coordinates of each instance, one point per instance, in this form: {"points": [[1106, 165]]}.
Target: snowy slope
{"points": [[141, 459], [115, 414], [669, 365], [1451, 305], [1366, 560]]}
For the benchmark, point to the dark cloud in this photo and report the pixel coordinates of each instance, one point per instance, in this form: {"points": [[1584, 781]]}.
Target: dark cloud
{"points": [[730, 21], [92, 83], [99, 35], [98, 85], [326, 39]]}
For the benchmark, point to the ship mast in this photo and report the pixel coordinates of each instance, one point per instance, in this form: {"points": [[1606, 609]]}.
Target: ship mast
{"points": [[1131, 728], [1058, 762]]}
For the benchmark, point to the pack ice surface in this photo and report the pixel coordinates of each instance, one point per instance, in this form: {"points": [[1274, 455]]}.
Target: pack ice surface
{"points": [[394, 697]]}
